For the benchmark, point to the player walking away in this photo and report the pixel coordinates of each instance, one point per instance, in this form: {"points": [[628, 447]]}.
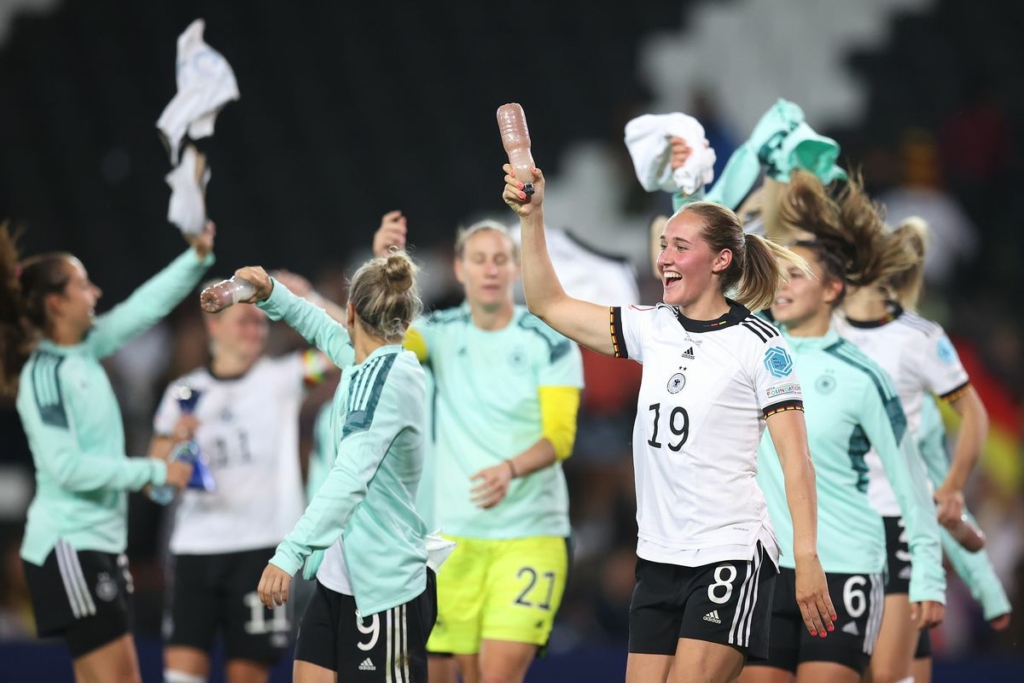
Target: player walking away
{"points": [[713, 375], [246, 423], [51, 344], [506, 397]]}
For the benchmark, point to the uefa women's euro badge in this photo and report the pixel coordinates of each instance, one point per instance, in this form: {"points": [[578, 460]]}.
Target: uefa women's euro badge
{"points": [[188, 451]]}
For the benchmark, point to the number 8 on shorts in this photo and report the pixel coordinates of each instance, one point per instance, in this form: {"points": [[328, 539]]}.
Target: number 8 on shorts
{"points": [[725, 602]]}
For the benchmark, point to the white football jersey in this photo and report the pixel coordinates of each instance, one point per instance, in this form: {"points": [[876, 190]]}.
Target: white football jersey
{"points": [[248, 435], [706, 391], [920, 360]]}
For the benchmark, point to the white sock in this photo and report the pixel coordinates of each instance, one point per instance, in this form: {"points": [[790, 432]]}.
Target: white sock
{"points": [[171, 676], [908, 679]]}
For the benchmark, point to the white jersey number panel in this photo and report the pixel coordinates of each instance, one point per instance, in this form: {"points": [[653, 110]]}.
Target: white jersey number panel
{"points": [[249, 437], [707, 389]]}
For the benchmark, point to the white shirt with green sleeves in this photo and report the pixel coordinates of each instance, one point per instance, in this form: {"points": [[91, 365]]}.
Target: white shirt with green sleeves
{"points": [[74, 427]]}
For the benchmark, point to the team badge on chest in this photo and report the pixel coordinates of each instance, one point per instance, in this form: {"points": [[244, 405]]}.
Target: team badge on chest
{"points": [[676, 383], [825, 384], [517, 359]]}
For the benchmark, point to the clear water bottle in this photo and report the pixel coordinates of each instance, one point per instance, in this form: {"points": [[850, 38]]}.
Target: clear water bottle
{"points": [[515, 137], [187, 451], [216, 298]]}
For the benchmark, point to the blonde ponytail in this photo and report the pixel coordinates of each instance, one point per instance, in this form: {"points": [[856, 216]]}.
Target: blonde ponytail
{"points": [[755, 274], [909, 246], [763, 273]]}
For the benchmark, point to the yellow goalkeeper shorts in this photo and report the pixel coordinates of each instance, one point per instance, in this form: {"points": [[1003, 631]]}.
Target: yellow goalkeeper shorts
{"points": [[499, 590]]}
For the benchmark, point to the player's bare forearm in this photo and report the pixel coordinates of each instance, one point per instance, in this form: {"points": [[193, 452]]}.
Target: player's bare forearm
{"points": [[584, 322], [789, 434], [535, 458], [971, 440]]}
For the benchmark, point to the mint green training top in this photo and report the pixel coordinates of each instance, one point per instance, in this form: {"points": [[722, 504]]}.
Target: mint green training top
{"points": [[486, 410], [368, 500], [74, 427], [851, 405]]}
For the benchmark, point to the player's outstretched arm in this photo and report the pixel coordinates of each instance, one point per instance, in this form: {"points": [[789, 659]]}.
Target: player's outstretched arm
{"points": [[582, 321]]}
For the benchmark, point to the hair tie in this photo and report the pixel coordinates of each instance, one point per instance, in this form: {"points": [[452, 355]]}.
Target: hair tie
{"points": [[17, 271]]}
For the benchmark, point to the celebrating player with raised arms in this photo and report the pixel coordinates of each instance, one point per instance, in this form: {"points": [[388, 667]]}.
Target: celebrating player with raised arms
{"points": [[374, 603], [713, 376], [51, 344]]}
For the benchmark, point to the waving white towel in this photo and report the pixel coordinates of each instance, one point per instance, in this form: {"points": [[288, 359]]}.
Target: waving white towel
{"points": [[205, 84], [647, 140], [187, 208]]}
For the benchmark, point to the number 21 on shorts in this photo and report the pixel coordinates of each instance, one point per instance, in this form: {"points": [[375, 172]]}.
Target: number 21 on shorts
{"points": [[530, 579]]}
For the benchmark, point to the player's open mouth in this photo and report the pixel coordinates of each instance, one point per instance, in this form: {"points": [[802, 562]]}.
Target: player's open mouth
{"points": [[670, 280], [782, 301]]}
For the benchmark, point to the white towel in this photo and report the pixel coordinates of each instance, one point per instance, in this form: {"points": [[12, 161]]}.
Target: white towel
{"points": [[438, 550], [205, 84], [647, 140], [187, 208]]}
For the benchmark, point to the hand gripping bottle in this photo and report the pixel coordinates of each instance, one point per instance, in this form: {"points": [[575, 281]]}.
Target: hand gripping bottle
{"points": [[184, 450], [515, 136], [188, 451], [216, 298]]}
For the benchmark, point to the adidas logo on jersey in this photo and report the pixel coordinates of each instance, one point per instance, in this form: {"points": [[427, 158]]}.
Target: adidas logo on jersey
{"points": [[688, 353], [367, 665], [852, 629], [712, 616]]}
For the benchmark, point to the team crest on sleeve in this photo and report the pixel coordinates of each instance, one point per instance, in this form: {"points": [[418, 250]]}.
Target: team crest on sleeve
{"points": [[777, 362], [676, 383], [946, 352]]}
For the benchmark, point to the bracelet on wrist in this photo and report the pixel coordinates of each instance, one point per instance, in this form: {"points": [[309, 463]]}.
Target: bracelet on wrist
{"points": [[512, 468]]}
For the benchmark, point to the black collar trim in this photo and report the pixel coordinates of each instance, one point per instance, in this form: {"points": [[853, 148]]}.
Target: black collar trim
{"points": [[737, 314], [227, 378], [895, 311]]}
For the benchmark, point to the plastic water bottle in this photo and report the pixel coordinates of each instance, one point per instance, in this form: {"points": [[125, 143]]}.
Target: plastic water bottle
{"points": [[226, 293], [515, 137], [187, 451], [970, 537]]}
